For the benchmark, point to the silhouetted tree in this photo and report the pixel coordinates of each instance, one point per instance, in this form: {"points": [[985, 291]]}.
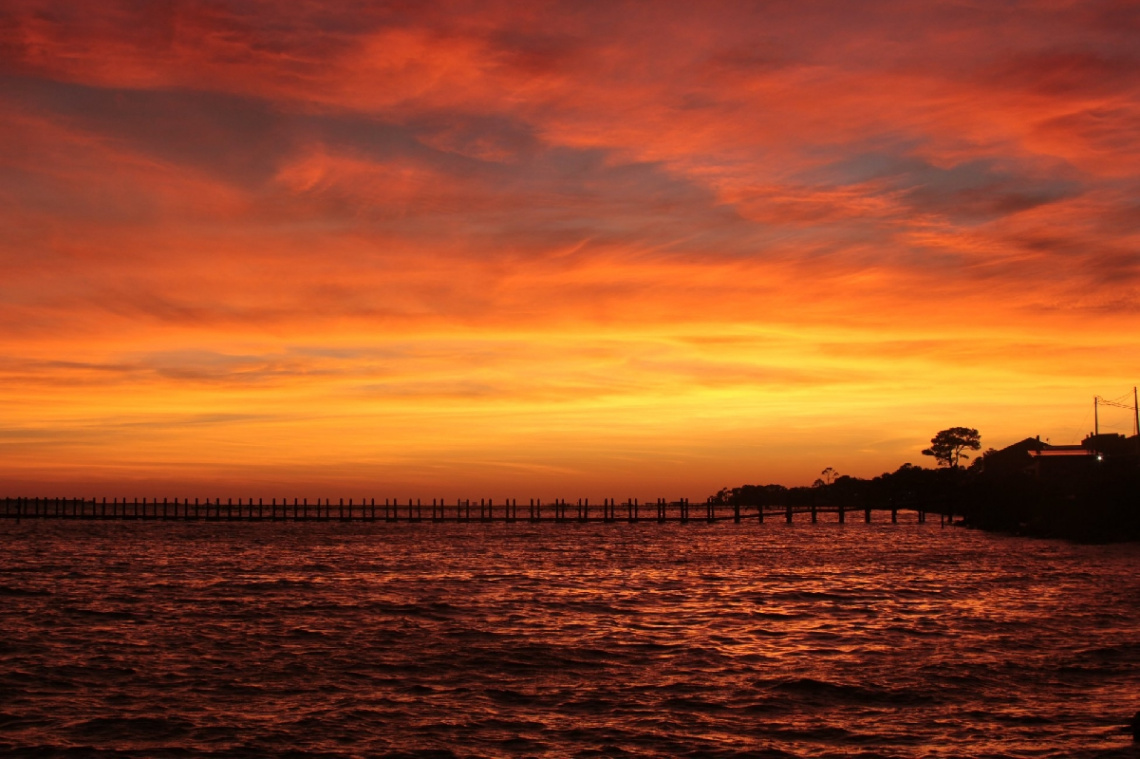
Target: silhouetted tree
{"points": [[948, 445], [826, 477], [979, 464]]}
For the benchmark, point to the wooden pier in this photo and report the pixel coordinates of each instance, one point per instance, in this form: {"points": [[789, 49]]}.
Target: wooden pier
{"points": [[419, 510]]}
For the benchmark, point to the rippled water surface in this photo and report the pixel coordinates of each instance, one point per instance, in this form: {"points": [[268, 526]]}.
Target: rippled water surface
{"points": [[439, 640]]}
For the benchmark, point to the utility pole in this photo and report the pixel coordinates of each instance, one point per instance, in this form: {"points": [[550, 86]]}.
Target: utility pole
{"points": [[1096, 416], [1136, 417]]}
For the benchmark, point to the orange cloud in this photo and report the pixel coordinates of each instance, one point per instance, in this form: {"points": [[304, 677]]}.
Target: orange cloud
{"points": [[575, 250]]}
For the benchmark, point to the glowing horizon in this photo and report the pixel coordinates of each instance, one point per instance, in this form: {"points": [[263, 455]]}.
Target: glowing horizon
{"points": [[621, 251]]}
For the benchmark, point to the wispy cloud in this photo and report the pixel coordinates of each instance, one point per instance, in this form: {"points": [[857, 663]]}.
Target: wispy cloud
{"points": [[435, 242]]}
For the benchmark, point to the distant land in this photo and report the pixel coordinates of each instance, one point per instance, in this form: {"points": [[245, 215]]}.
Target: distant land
{"points": [[1086, 492]]}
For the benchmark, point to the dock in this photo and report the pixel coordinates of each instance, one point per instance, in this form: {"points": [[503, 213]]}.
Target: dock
{"points": [[417, 510]]}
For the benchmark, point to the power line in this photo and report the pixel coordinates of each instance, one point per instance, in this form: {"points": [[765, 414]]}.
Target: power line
{"points": [[1134, 407]]}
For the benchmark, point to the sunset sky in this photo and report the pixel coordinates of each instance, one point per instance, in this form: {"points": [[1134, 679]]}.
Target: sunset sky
{"points": [[556, 249]]}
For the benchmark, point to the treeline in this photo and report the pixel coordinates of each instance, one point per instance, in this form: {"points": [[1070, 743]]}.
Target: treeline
{"points": [[1100, 502]]}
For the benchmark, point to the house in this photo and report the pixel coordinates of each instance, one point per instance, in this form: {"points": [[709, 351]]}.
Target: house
{"points": [[1040, 459]]}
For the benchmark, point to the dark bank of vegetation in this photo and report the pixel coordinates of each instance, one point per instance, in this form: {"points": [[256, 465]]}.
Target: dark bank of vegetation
{"points": [[1091, 495]]}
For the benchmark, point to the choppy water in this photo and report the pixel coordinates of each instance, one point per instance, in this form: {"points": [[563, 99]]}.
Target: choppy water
{"points": [[346, 640]]}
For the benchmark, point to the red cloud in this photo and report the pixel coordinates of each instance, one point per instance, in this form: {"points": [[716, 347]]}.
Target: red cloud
{"points": [[555, 219]]}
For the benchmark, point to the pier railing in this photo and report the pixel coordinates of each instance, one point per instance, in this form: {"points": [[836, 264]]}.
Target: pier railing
{"points": [[437, 510]]}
